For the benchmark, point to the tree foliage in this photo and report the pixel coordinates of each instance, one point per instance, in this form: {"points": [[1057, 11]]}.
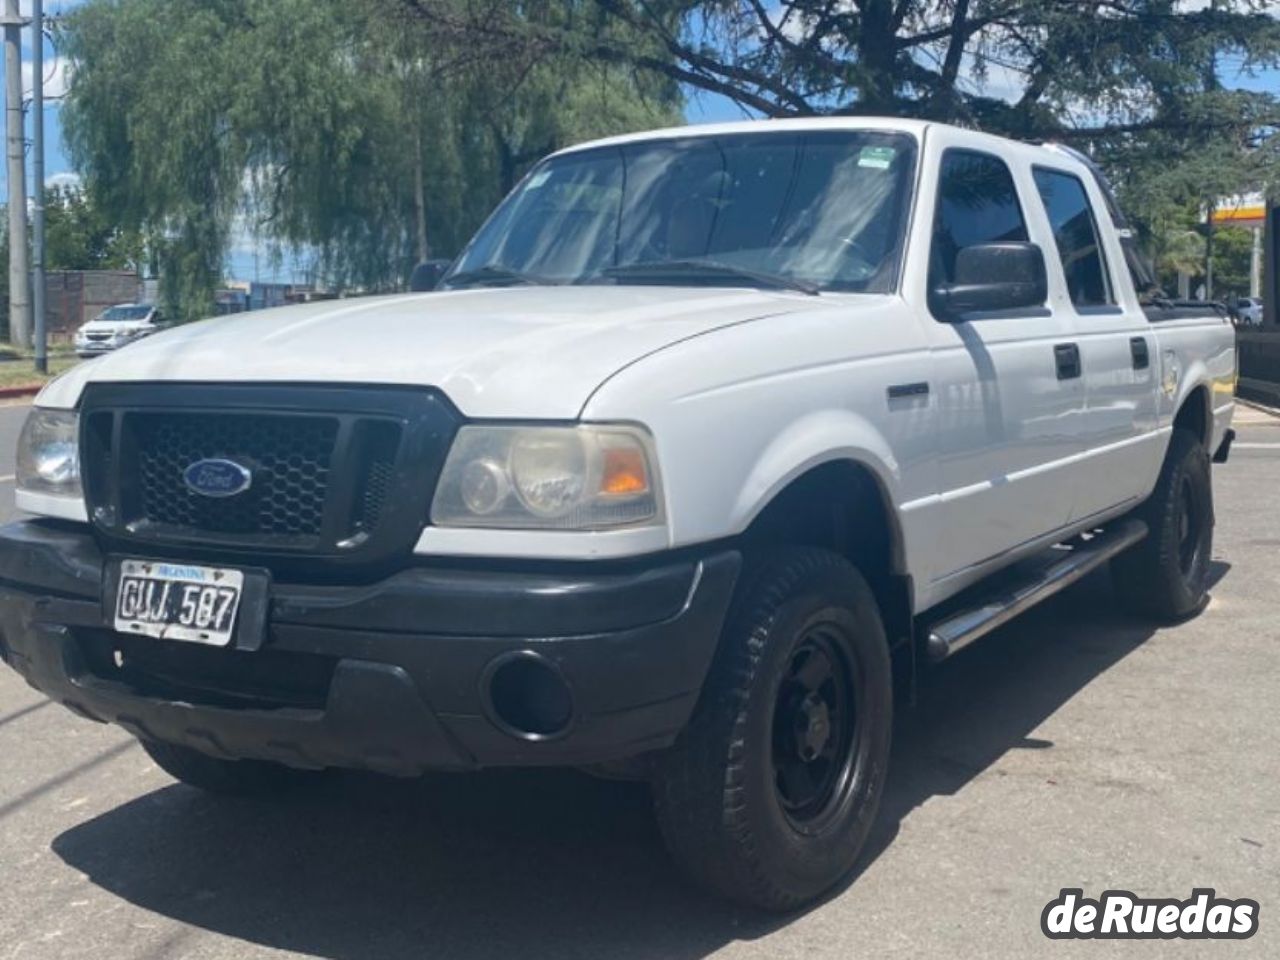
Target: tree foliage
{"points": [[1135, 82], [342, 127], [78, 236]]}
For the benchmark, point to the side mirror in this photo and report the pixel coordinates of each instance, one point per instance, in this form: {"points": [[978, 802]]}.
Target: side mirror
{"points": [[427, 275], [992, 277]]}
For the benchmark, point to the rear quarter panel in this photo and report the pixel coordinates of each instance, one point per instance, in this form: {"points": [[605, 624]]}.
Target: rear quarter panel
{"points": [[1193, 353]]}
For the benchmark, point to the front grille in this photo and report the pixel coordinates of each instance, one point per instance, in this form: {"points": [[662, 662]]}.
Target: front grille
{"points": [[289, 459], [334, 472]]}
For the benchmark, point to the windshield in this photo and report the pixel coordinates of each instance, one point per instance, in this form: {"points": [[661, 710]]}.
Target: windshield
{"points": [[125, 313], [826, 209]]}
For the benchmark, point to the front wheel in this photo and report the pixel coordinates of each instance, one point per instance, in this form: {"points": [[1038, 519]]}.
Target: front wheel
{"points": [[1166, 576], [768, 796]]}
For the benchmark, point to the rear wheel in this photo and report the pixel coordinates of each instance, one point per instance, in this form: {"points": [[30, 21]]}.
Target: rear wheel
{"points": [[769, 794], [227, 777], [1167, 574]]}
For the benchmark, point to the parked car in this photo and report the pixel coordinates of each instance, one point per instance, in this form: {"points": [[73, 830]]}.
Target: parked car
{"points": [[1249, 311], [711, 440], [117, 326]]}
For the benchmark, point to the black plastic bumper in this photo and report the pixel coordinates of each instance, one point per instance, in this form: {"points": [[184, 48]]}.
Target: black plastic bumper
{"points": [[390, 676]]}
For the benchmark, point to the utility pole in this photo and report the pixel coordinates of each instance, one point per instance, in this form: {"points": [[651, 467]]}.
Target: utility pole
{"points": [[37, 186], [19, 301]]}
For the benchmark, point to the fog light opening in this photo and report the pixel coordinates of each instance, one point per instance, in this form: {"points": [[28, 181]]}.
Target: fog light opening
{"points": [[527, 696]]}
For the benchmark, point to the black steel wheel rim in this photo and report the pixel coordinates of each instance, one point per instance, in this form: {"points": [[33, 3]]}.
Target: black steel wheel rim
{"points": [[816, 730]]}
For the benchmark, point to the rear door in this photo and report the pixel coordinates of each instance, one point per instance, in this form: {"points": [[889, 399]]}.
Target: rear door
{"points": [[1009, 396], [1118, 360]]}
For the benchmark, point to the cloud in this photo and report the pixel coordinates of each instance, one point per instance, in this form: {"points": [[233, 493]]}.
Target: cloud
{"points": [[66, 179], [57, 78]]}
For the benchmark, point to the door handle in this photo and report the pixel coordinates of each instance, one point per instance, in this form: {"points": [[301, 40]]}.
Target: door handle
{"points": [[1067, 357], [1141, 356]]}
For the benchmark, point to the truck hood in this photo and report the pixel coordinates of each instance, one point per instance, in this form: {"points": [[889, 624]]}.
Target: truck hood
{"points": [[535, 352]]}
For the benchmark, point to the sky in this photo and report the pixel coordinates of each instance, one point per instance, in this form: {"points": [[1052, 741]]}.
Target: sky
{"points": [[246, 263]]}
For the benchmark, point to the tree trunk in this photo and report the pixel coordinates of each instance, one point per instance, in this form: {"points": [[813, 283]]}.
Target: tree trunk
{"points": [[877, 54]]}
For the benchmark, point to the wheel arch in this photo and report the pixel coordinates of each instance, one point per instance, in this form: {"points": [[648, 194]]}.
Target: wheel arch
{"points": [[843, 504], [1195, 414]]}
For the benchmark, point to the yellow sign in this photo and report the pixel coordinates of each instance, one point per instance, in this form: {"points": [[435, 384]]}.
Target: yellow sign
{"points": [[1247, 211]]}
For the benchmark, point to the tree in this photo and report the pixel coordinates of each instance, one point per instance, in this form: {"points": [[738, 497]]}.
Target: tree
{"points": [[343, 128], [1076, 68], [79, 237], [1134, 82]]}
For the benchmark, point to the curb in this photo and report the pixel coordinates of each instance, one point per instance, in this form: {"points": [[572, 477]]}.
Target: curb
{"points": [[10, 393]]}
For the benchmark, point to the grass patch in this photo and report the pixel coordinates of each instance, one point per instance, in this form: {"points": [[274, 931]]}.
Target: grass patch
{"points": [[21, 372]]}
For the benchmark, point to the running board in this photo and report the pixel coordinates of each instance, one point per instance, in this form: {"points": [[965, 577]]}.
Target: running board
{"points": [[960, 629]]}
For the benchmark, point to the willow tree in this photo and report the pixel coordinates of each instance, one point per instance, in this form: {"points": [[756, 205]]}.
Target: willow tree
{"points": [[343, 128]]}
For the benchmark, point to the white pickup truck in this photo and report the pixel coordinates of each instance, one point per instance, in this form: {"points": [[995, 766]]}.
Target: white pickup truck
{"points": [[711, 438]]}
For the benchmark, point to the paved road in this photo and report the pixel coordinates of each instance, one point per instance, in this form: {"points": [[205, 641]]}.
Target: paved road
{"points": [[1077, 747]]}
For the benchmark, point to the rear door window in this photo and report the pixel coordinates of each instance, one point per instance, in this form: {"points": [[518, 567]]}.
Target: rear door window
{"points": [[1075, 232]]}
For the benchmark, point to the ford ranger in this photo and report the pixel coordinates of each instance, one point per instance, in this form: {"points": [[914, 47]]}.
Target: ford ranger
{"points": [[708, 442]]}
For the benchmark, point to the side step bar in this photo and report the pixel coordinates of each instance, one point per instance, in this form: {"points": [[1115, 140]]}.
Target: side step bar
{"points": [[960, 629]]}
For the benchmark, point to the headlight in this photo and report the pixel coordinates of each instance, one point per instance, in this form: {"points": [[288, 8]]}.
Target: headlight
{"points": [[49, 453], [555, 478]]}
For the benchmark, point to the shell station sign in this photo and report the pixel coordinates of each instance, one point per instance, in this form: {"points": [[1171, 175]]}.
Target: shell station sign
{"points": [[1249, 210]]}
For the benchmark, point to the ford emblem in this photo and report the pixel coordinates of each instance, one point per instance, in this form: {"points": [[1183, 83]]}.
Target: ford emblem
{"points": [[217, 478]]}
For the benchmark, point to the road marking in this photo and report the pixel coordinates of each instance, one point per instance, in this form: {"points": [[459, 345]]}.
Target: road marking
{"points": [[10, 478], [1235, 446]]}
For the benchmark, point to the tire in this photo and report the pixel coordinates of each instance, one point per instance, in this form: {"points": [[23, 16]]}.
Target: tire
{"points": [[1166, 576], [769, 794], [240, 778]]}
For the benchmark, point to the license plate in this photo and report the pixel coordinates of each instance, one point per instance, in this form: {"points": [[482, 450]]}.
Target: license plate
{"points": [[178, 601]]}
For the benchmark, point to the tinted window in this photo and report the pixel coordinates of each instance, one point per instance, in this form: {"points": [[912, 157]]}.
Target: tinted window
{"points": [[977, 203], [1076, 234], [120, 313], [827, 208]]}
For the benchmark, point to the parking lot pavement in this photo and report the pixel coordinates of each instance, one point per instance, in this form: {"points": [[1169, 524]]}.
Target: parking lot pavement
{"points": [[1075, 748]]}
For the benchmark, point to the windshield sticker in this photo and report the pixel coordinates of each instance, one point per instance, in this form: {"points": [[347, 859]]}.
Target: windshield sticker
{"points": [[876, 158], [538, 179]]}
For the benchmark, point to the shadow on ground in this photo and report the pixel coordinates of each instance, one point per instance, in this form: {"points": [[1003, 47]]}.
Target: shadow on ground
{"points": [[547, 864]]}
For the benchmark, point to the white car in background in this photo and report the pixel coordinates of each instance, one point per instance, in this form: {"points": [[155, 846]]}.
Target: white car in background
{"points": [[117, 326], [1249, 311]]}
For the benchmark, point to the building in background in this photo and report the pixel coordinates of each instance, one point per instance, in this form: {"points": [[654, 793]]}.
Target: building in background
{"points": [[239, 296], [74, 297]]}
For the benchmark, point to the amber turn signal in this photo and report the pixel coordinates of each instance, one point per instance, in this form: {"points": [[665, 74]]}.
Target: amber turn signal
{"points": [[624, 472]]}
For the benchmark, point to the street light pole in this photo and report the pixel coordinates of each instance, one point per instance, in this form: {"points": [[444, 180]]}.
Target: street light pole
{"points": [[37, 186], [19, 300]]}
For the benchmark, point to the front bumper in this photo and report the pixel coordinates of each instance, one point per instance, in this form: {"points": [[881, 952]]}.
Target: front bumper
{"points": [[88, 347], [393, 676]]}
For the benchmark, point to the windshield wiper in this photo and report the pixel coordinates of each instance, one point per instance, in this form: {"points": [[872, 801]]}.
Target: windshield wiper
{"points": [[693, 268], [492, 273]]}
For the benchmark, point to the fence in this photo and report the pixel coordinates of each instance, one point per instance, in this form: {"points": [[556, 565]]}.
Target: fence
{"points": [[1258, 352]]}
